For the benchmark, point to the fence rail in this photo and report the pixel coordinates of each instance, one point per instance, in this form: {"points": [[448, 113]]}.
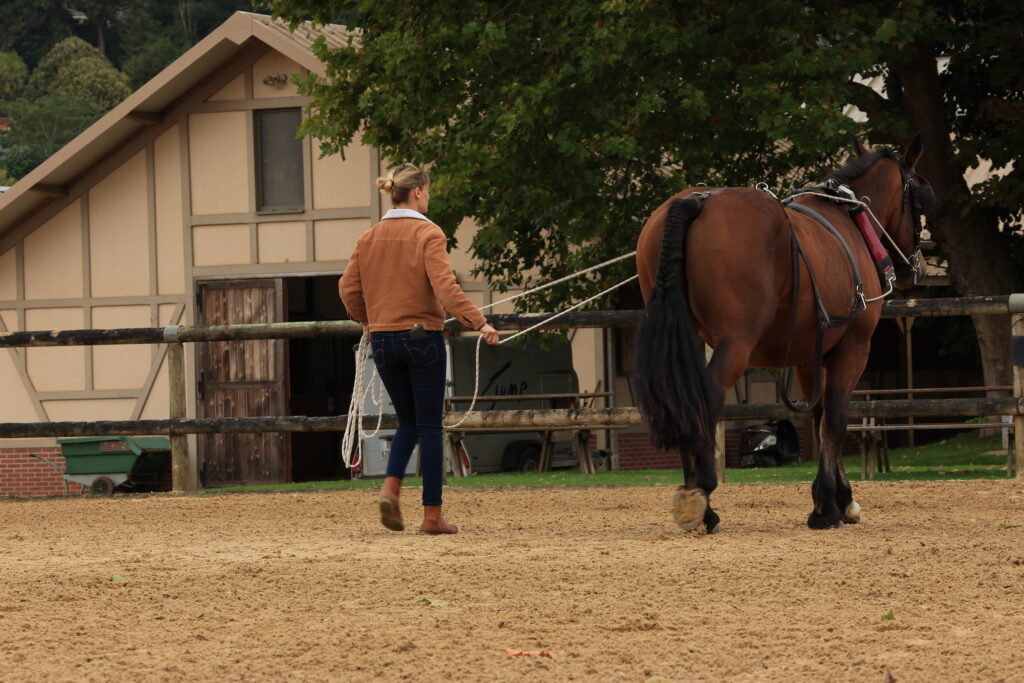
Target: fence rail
{"points": [[178, 425], [909, 308], [497, 419]]}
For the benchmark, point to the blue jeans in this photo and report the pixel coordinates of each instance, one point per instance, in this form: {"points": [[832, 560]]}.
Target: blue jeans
{"points": [[413, 372]]}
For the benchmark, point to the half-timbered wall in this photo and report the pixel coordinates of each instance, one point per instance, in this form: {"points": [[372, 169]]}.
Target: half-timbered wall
{"points": [[126, 247], [175, 206]]}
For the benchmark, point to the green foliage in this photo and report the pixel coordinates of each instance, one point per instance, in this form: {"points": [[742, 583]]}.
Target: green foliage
{"points": [[559, 127], [13, 74], [151, 60], [93, 80], [889, 616], [57, 59], [72, 83], [32, 27], [985, 98], [70, 88], [6, 179], [38, 128]]}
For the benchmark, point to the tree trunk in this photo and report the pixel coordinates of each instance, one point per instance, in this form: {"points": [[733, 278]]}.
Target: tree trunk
{"points": [[101, 42], [979, 257]]}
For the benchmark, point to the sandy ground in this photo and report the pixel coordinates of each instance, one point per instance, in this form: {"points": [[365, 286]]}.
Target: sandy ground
{"points": [[309, 586]]}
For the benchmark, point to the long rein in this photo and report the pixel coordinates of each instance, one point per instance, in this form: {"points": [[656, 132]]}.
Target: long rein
{"points": [[354, 432]]}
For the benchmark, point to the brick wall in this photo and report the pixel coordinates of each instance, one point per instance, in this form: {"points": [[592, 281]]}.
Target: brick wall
{"points": [[22, 474], [636, 452]]}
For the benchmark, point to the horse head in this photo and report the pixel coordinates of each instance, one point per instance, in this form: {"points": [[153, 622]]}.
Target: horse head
{"points": [[898, 195]]}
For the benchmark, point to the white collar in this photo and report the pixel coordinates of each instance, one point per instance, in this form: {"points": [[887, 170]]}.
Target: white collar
{"points": [[405, 213]]}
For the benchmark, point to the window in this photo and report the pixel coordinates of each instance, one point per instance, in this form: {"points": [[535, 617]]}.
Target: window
{"points": [[279, 183]]}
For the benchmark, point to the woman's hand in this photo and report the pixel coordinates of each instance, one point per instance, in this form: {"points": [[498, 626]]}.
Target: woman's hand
{"points": [[490, 334]]}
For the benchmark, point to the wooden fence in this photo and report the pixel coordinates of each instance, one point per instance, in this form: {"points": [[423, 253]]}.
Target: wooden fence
{"points": [[179, 425]]}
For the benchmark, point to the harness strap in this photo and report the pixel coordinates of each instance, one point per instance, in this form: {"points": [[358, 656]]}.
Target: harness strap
{"points": [[825, 321], [857, 281]]}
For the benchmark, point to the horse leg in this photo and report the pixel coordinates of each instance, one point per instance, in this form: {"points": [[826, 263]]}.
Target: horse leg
{"points": [[831, 491], [692, 502], [805, 378]]}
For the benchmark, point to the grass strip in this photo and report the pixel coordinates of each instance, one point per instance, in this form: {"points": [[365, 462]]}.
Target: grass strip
{"points": [[964, 456]]}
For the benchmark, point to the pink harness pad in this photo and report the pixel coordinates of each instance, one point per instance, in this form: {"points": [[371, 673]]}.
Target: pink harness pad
{"points": [[878, 252]]}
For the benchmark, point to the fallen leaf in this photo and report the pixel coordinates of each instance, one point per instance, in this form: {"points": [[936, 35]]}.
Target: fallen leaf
{"points": [[527, 653], [889, 616], [433, 603], [117, 578]]}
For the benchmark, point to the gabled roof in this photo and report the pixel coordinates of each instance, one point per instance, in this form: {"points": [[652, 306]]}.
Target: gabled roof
{"points": [[149, 102]]}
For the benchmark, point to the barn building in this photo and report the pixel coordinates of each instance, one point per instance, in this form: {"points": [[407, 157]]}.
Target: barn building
{"points": [[192, 202]]}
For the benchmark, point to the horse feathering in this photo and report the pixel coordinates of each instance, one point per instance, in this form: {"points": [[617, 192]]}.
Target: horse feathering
{"points": [[671, 380]]}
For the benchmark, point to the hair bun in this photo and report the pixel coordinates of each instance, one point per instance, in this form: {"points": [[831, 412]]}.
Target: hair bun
{"points": [[385, 184]]}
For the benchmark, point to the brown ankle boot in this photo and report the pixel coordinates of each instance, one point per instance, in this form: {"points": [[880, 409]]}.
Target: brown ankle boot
{"points": [[390, 515], [434, 522]]}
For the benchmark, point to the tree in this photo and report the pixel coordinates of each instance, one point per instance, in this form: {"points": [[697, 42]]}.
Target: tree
{"points": [[38, 128], [13, 73], [70, 88], [32, 27], [59, 57], [93, 80], [559, 126], [971, 110], [101, 15]]}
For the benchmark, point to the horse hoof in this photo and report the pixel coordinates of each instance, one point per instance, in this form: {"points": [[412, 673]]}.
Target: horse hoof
{"points": [[852, 513], [688, 507], [716, 529], [817, 521]]}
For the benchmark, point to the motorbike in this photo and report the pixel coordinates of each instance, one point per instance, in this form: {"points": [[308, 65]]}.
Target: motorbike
{"points": [[771, 444]]}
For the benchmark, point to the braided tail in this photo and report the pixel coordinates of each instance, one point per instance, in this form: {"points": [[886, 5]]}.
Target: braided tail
{"points": [[671, 381]]}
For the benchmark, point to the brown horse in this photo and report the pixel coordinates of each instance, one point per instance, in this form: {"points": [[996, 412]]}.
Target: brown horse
{"points": [[720, 264]]}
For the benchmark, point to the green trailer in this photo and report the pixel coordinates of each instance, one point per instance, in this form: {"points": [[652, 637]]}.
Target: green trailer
{"points": [[105, 463]]}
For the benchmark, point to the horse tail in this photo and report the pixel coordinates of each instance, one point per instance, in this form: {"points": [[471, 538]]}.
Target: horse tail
{"points": [[671, 382]]}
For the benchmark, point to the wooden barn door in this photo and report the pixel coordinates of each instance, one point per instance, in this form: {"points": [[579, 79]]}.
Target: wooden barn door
{"points": [[241, 379]]}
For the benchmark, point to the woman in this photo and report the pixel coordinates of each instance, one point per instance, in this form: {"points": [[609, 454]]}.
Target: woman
{"points": [[399, 283]]}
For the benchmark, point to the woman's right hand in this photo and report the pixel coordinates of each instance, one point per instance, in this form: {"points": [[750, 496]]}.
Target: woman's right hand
{"points": [[490, 334]]}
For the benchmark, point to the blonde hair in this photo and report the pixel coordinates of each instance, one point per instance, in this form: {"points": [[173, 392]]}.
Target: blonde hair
{"points": [[401, 180]]}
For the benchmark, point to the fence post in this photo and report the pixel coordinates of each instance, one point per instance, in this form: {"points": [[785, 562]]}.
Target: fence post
{"points": [[180, 475], [1017, 359]]}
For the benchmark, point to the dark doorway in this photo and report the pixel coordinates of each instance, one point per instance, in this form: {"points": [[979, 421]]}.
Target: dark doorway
{"points": [[321, 372]]}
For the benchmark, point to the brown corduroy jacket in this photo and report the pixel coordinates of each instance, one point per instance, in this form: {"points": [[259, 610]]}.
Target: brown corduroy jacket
{"points": [[399, 276]]}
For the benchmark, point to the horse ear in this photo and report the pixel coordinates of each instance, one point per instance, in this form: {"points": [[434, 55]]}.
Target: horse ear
{"points": [[914, 150], [859, 147]]}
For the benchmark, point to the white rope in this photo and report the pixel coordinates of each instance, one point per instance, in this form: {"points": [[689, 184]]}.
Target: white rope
{"points": [[555, 282], [887, 236], [476, 380], [352, 442]]}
